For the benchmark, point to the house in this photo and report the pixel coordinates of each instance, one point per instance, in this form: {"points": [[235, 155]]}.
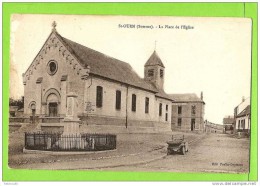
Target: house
{"points": [[109, 92], [242, 116], [187, 112], [228, 123]]}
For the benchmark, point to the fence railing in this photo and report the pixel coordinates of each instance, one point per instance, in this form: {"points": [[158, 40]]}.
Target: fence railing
{"points": [[77, 142]]}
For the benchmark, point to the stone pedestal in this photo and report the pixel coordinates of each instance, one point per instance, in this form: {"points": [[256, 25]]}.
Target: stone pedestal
{"points": [[71, 139], [71, 127], [71, 121]]}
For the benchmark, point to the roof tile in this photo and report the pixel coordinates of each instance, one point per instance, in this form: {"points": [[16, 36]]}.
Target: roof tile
{"points": [[105, 66]]}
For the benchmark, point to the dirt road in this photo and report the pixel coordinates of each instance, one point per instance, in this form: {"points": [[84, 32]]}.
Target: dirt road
{"points": [[213, 153]]}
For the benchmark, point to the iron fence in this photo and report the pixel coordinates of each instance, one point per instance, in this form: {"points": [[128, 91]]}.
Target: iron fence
{"points": [[72, 142]]}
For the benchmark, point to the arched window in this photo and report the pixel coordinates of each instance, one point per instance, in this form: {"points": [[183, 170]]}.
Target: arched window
{"points": [[150, 72], [118, 99], [133, 102], [160, 109], [161, 73], [146, 105], [99, 96], [32, 106]]}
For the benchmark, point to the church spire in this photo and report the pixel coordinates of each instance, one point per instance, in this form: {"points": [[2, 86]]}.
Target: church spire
{"points": [[154, 60], [154, 71]]}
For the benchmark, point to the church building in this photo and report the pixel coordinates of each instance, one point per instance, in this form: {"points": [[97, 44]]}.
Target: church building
{"points": [[109, 92]]}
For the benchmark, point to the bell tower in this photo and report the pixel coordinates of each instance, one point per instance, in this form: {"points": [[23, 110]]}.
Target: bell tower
{"points": [[154, 71]]}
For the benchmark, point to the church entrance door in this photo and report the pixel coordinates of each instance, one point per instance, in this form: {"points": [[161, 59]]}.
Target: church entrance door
{"points": [[53, 109]]}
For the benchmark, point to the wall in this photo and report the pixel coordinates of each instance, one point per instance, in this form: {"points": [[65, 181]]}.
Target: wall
{"points": [[110, 115], [66, 66], [186, 116], [162, 118], [155, 79], [243, 105], [247, 122]]}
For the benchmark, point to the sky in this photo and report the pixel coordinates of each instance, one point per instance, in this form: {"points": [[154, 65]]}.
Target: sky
{"points": [[214, 56]]}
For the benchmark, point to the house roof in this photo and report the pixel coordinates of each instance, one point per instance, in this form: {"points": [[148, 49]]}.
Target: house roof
{"points": [[162, 94], [245, 112], [185, 98], [228, 120], [154, 60], [105, 66]]}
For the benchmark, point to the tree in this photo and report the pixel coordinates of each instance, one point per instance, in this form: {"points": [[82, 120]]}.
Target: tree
{"points": [[16, 102]]}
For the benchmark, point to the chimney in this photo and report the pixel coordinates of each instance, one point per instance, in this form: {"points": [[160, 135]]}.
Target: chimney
{"points": [[243, 98], [201, 95]]}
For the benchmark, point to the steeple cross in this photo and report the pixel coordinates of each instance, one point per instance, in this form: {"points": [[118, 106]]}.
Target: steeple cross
{"points": [[54, 24]]}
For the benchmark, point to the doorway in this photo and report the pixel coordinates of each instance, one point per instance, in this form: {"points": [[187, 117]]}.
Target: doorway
{"points": [[33, 109], [192, 124], [52, 105], [53, 109]]}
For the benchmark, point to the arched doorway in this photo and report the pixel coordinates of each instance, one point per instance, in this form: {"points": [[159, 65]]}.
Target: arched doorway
{"points": [[32, 107], [52, 105]]}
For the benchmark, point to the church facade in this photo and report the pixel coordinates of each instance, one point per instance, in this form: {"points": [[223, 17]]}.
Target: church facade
{"points": [[108, 91]]}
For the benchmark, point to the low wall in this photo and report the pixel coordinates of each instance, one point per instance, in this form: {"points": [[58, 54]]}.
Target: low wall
{"points": [[54, 129], [14, 127], [19, 120], [119, 125]]}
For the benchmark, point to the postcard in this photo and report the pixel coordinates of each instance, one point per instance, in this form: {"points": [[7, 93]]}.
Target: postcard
{"points": [[130, 93]]}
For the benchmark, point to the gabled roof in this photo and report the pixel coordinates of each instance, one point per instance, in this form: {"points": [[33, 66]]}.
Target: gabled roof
{"points": [[154, 60], [245, 112], [185, 98], [105, 66]]}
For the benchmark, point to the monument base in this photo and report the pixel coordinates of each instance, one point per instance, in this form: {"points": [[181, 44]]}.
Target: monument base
{"points": [[71, 127]]}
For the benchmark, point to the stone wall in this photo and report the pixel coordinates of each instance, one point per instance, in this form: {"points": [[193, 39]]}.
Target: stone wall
{"points": [[187, 116], [38, 82], [109, 111]]}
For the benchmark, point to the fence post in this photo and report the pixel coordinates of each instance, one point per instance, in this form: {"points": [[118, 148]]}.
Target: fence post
{"points": [[34, 139], [25, 142]]}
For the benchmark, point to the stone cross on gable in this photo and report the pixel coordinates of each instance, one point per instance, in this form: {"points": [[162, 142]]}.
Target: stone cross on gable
{"points": [[54, 24]]}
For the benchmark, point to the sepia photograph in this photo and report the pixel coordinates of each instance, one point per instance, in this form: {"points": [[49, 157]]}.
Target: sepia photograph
{"points": [[130, 93]]}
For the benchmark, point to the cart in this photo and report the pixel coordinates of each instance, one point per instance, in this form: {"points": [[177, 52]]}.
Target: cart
{"points": [[177, 145]]}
